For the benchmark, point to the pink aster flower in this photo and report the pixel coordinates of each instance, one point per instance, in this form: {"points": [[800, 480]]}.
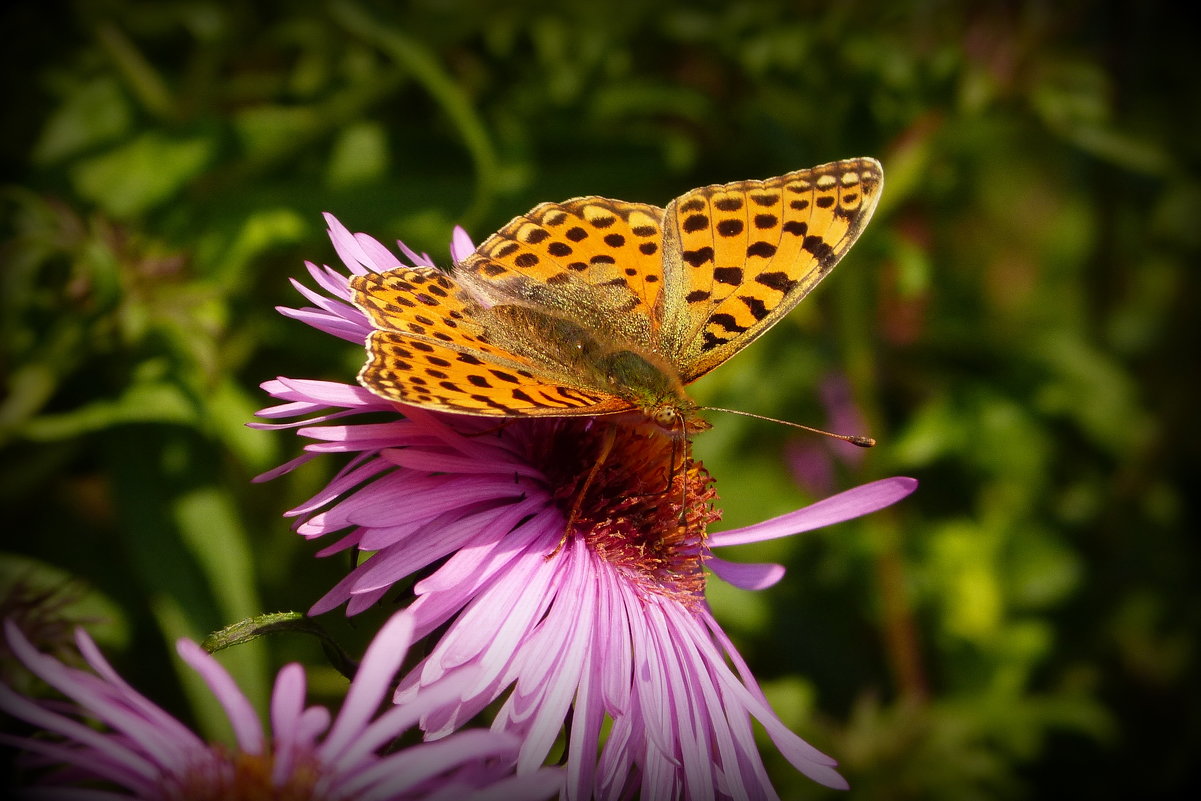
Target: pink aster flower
{"points": [[606, 625], [145, 753]]}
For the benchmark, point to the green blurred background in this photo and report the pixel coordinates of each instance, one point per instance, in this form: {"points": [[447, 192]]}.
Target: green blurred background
{"points": [[1018, 326]]}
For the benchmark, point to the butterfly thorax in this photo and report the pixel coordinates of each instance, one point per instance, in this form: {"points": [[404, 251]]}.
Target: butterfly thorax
{"points": [[597, 356], [653, 385]]}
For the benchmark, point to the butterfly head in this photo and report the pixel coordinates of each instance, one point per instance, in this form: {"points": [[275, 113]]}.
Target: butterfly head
{"points": [[676, 417]]}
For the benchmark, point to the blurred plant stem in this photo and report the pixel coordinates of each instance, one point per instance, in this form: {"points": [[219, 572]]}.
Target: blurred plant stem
{"points": [[423, 66], [143, 80]]}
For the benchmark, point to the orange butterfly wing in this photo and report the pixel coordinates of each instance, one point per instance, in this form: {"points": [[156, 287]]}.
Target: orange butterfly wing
{"points": [[432, 348], [740, 256], [588, 259]]}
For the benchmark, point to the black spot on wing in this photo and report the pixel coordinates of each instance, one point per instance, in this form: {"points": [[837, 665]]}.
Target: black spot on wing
{"points": [[536, 235], [727, 322], [763, 249], [698, 257], [820, 249], [728, 275], [778, 281], [730, 227], [756, 307]]}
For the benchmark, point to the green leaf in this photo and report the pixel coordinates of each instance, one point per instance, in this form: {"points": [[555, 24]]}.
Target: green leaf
{"points": [[265, 131], [136, 177], [227, 410], [263, 229], [360, 155], [93, 113], [141, 403]]}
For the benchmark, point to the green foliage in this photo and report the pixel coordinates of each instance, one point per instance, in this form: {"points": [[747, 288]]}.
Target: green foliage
{"points": [[1016, 327]]}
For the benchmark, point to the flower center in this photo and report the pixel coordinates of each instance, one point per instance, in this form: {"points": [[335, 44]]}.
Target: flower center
{"points": [[244, 777], [640, 501]]}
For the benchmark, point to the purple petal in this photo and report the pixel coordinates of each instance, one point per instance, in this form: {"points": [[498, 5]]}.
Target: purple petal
{"points": [[747, 576], [349, 477], [347, 247], [328, 393], [572, 622], [248, 729], [615, 691], [335, 283], [460, 245], [837, 508], [392, 775], [349, 330], [380, 259], [415, 258], [543, 784], [119, 761], [162, 737], [384, 569], [154, 714], [442, 462], [371, 682], [287, 708], [325, 303]]}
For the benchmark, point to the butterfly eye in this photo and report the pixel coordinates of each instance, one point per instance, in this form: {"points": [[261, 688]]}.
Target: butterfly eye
{"points": [[666, 416]]}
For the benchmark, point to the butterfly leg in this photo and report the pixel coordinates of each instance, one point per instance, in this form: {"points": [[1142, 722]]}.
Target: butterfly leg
{"points": [[606, 447], [678, 444]]}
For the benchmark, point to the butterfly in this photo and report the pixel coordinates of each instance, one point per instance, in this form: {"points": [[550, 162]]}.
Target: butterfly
{"points": [[595, 306]]}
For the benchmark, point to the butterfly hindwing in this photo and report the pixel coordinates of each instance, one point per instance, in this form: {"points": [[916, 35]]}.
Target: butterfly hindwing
{"points": [[742, 255], [433, 346], [448, 378]]}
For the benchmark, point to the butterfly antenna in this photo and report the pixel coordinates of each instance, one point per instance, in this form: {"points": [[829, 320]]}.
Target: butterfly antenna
{"points": [[854, 439]]}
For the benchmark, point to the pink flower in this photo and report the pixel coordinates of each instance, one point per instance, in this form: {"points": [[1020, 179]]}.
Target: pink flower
{"points": [[145, 753], [607, 623]]}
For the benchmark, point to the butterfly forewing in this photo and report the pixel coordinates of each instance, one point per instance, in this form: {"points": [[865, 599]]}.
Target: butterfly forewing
{"points": [[742, 255], [451, 379], [590, 259]]}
